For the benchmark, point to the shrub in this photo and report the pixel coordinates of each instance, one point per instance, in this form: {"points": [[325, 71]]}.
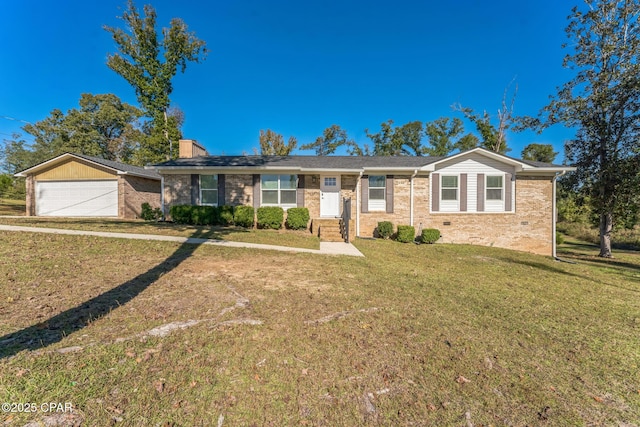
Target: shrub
{"points": [[430, 235], [203, 215], [270, 217], [385, 229], [406, 233], [181, 214], [243, 216], [297, 218], [559, 238], [149, 214], [225, 215]]}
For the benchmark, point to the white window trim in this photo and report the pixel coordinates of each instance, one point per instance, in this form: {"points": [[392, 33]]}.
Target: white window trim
{"points": [[379, 205], [486, 189], [282, 205], [450, 206], [207, 189]]}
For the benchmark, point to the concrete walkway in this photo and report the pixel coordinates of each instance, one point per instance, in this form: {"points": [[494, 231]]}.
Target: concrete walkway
{"points": [[326, 248]]}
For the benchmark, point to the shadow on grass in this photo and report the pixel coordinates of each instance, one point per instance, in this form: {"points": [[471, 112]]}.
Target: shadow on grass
{"points": [[127, 226], [74, 319], [580, 251]]}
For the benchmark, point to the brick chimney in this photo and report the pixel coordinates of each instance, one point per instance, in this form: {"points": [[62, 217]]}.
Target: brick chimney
{"points": [[190, 148]]}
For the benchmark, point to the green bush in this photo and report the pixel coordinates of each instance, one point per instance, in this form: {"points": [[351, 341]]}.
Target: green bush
{"points": [[385, 229], [181, 214], [149, 214], [243, 216], [559, 238], [270, 217], [429, 235], [297, 218], [203, 215], [225, 215], [406, 233]]}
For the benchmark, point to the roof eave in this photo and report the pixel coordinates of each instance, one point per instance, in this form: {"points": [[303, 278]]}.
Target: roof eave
{"points": [[55, 160]]}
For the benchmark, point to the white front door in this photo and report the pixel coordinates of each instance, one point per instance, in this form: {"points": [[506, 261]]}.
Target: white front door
{"points": [[330, 195]]}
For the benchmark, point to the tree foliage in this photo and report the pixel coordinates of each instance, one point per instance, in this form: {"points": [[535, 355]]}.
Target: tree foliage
{"points": [[494, 137], [149, 64], [103, 126], [332, 138], [405, 140], [539, 152], [444, 137], [272, 144], [603, 102]]}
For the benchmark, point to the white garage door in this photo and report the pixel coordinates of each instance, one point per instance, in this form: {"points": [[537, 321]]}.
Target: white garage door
{"points": [[77, 198]]}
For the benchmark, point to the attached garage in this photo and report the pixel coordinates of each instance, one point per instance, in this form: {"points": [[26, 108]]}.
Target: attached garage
{"points": [[74, 185], [77, 198]]}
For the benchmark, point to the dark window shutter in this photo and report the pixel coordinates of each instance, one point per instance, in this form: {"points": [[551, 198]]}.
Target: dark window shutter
{"points": [[256, 191], [195, 189], [463, 192], [364, 208], [389, 193], [300, 191], [481, 192], [507, 192], [221, 192], [435, 192]]}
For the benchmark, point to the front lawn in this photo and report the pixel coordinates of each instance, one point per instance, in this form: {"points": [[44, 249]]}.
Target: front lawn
{"points": [[291, 238], [157, 333], [12, 207]]}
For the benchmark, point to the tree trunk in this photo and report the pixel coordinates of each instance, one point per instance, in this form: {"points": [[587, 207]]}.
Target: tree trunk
{"points": [[606, 225]]}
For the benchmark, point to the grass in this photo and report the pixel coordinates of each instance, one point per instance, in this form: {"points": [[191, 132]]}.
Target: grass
{"points": [[620, 239], [409, 335], [291, 238], [12, 207]]}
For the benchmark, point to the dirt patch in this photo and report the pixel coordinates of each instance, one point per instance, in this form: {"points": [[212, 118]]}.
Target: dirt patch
{"points": [[266, 272]]}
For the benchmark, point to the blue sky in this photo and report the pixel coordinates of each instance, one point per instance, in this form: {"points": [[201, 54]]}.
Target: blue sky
{"points": [[297, 67]]}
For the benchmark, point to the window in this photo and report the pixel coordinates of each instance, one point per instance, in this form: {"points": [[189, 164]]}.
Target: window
{"points": [[449, 188], [377, 186], [494, 187], [330, 181], [209, 190], [279, 189]]}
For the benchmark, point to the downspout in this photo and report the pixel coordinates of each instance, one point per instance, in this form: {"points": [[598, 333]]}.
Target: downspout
{"points": [[554, 215], [415, 172], [162, 196], [358, 190]]}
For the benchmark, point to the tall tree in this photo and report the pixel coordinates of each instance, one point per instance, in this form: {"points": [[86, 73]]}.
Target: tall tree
{"points": [[272, 144], [149, 64], [332, 138], [603, 102], [444, 137], [405, 140], [103, 126], [15, 155], [494, 137], [539, 152]]}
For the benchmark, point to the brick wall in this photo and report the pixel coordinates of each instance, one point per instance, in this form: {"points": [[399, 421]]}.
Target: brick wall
{"points": [[177, 191], [133, 191], [529, 229], [31, 196], [238, 190], [401, 208]]}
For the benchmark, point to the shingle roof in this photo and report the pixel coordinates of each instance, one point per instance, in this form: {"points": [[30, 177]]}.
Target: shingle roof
{"points": [[304, 162], [123, 167]]}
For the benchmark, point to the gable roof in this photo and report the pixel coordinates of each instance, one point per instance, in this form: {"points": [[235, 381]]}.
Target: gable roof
{"points": [[118, 167], [355, 164]]}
